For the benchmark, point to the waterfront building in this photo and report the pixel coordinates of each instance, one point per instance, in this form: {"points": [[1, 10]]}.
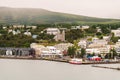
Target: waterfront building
{"points": [[9, 52], [38, 48], [50, 52]]}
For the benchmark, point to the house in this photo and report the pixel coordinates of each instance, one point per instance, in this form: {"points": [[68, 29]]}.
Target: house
{"points": [[107, 38], [82, 43], [4, 27], [92, 50], [75, 27], [98, 43], [116, 32], [18, 26], [33, 27], [52, 31], [34, 36], [63, 47], [50, 52], [99, 50], [98, 29], [85, 27], [27, 33], [9, 52], [37, 47], [16, 32], [117, 50]]}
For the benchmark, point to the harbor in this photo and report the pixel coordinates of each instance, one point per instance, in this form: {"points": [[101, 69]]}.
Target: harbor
{"points": [[61, 60]]}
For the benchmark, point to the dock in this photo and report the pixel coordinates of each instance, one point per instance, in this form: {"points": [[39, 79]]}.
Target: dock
{"points": [[106, 67]]}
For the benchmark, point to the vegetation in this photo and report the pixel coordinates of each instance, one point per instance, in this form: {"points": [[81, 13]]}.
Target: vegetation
{"points": [[41, 16], [71, 51]]}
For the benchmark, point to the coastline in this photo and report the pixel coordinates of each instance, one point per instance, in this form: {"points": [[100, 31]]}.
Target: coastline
{"points": [[60, 60]]}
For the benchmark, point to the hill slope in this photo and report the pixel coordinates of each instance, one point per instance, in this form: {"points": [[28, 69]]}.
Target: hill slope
{"points": [[40, 16]]}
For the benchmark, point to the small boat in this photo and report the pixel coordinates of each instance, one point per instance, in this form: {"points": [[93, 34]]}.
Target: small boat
{"points": [[75, 61]]}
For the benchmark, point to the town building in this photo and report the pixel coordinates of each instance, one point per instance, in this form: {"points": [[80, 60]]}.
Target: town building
{"points": [[63, 47], [82, 43], [50, 52], [27, 33], [52, 31], [60, 36], [85, 27], [116, 33], [18, 26]]}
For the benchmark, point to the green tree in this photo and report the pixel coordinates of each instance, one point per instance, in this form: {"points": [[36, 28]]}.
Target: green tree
{"points": [[83, 52], [71, 51]]}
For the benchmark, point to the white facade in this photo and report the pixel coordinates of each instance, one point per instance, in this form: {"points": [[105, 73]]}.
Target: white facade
{"points": [[52, 31], [107, 38], [33, 27], [116, 33], [27, 33], [8, 52], [63, 46], [91, 51], [50, 51], [85, 27], [82, 44], [18, 26]]}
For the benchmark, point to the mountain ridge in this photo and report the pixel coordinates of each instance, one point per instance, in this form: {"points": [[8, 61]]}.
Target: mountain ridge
{"points": [[42, 16]]}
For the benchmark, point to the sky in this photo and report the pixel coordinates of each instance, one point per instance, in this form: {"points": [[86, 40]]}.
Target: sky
{"points": [[93, 8]]}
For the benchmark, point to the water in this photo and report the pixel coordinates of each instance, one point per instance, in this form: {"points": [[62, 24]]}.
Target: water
{"points": [[47, 70]]}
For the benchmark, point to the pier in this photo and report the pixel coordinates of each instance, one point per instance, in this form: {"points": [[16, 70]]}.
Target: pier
{"points": [[106, 67]]}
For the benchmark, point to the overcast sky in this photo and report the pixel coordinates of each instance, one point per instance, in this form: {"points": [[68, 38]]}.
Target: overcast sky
{"points": [[95, 8]]}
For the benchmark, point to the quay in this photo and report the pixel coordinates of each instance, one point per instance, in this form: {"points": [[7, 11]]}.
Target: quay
{"points": [[106, 67], [60, 60]]}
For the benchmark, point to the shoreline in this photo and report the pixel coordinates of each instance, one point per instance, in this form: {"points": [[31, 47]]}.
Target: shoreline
{"points": [[60, 60]]}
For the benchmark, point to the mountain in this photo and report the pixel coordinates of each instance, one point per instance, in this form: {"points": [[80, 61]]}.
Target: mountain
{"points": [[41, 16]]}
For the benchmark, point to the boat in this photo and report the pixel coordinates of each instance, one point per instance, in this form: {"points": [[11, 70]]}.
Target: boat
{"points": [[75, 61]]}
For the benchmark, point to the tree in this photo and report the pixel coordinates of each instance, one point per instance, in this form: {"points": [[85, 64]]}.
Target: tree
{"points": [[83, 52], [71, 51], [113, 53]]}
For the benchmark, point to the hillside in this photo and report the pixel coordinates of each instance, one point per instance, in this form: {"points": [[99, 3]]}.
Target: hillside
{"points": [[41, 16]]}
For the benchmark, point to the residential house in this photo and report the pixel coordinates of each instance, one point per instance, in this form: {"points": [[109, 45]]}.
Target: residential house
{"points": [[82, 43], [51, 52], [85, 27], [52, 31], [116, 33], [27, 33]]}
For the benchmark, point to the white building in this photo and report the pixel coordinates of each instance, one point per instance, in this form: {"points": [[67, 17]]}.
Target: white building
{"points": [[92, 50], [27, 33], [82, 43], [85, 27], [18, 26], [50, 51], [8, 52], [116, 33], [100, 50], [63, 46], [38, 48], [107, 38], [52, 31], [75, 27], [33, 27]]}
